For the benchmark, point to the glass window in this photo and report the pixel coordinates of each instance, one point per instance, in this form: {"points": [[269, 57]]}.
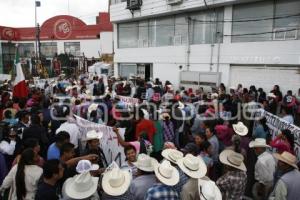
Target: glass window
{"points": [[252, 11], [284, 9], [49, 49], [165, 29], [181, 30], [127, 70], [128, 35], [205, 25], [26, 50], [72, 48], [143, 34]]}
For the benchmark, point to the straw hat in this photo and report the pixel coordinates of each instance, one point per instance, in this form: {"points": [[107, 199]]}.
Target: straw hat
{"points": [[233, 159], [240, 129], [116, 181], [93, 135], [84, 166], [166, 173], [92, 107], [181, 105], [172, 155], [81, 186], [287, 158], [208, 190], [193, 166], [214, 95], [258, 142], [145, 163]]}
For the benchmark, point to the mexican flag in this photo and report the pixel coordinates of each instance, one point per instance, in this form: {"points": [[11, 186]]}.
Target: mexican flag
{"points": [[20, 88]]}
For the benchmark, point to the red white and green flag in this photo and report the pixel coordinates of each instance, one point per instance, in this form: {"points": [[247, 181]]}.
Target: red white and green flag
{"points": [[20, 88]]}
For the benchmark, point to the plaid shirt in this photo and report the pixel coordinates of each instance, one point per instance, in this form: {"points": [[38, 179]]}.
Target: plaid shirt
{"points": [[126, 196], [183, 179], [161, 192], [232, 185]]}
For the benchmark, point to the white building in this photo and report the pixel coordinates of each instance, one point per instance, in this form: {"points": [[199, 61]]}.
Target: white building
{"points": [[230, 41]]}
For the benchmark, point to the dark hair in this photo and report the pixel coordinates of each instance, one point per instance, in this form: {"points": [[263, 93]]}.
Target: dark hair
{"points": [[127, 148], [22, 103], [263, 122], [289, 136], [141, 114], [35, 119], [27, 158], [61, 136], [50, 168], [205, 145], [67, 147], [237, 145], [30, 143], [7, 114]]}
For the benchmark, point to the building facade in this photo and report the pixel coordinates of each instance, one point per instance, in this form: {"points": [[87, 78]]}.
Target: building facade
{"points": [[192, 42], [58, 35]]}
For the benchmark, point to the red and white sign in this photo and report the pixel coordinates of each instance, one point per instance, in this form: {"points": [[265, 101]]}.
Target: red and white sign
{"points": [[62, 29], [8, 33]]}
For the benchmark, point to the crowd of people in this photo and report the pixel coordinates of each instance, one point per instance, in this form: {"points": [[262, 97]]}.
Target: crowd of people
{"points": [[179, 144]]}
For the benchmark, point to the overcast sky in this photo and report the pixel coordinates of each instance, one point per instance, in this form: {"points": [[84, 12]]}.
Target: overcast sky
{"points": [[20, 13]]}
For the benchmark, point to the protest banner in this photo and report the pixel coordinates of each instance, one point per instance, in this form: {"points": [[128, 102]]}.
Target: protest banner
{"points": [[276, 124], [112, 150], [129, 100]]}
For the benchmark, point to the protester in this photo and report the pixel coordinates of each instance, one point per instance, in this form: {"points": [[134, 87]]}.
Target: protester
{"points": [[287, 187], [23, 178], [264, 169], [195, 168], [145, 176], [167, 176], [131, 157], [61, 138], [47, 188], [233, 183]]}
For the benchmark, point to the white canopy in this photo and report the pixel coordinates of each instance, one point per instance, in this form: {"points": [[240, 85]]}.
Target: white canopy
{"points": [[97, 67]]}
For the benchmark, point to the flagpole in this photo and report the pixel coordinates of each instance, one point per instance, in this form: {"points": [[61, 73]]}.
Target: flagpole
{"points": [[36, 43]]}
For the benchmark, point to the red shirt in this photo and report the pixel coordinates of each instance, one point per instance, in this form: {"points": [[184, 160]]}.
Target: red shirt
{"points": [[281, 145], [145, 126]]}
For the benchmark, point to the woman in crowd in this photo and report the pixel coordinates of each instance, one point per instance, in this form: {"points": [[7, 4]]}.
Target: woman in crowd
{"points": [[23, 177], [284, 142]]}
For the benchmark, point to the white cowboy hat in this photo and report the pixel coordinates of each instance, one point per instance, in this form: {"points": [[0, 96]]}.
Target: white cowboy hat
{"points": [[232, 88], [116, 181], [84, 166], [166, 173], [164, 115], [81, 186], [193, 166], [258, 142], [240, 129], [287, 158], [272, 95], [93, 135], [214, 95], [181, 105], [172, 155], [233, 159], [145, 163], [92, 107], [208, 190]]}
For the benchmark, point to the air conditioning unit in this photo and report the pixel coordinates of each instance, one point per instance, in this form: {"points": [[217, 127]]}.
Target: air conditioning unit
{"points": [[173, 2], [285, 34], [134, 4]]}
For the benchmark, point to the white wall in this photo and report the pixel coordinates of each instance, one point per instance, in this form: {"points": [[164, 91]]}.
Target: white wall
{"points": [[118, 12], [106, 44]]}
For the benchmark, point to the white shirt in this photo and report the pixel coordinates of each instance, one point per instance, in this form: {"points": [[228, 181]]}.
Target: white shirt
{"points": [[7, 148], [265, 168], [289, 119], [73, 131], [32, 176]]}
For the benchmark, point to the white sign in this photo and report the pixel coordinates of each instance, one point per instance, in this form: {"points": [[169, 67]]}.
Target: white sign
{"points": [[129, 100], [276, 124], [112, 150]]}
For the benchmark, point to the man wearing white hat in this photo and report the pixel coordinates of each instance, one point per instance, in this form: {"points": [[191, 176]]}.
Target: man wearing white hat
{"points": [[195, 168], [233, 183], [208, 190], [167, 176], [264, 169], [115, 184], [146, 178], [173, 155], [93, 142], [287, 187]]}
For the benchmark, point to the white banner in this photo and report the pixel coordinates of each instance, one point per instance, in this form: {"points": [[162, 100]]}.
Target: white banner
{"points": [[113, 151], [276, 124], [129, 100]]}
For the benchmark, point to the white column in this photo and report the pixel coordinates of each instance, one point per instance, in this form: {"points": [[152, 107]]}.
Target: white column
{"points": [[228, 11]]}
